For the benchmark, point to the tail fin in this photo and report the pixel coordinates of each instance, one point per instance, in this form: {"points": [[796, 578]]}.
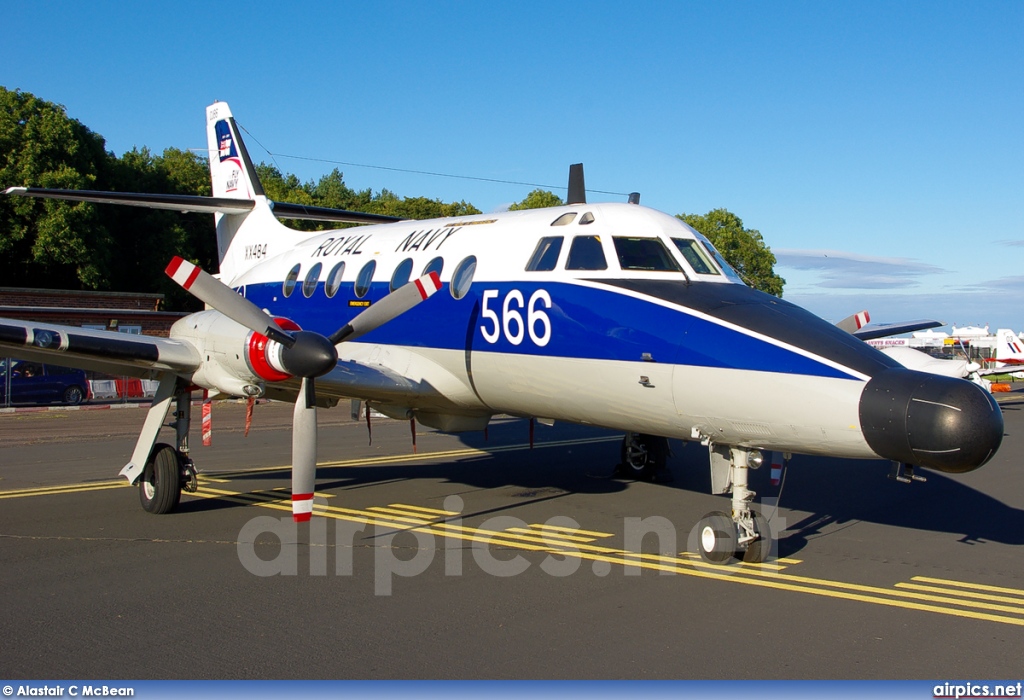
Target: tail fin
{"points": [[233, 177], [1009, 348], [231, 169]]}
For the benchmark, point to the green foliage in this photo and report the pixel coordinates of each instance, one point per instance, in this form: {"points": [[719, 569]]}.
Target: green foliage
{"points": [[538, 199], [49, 241], [743, 248]]}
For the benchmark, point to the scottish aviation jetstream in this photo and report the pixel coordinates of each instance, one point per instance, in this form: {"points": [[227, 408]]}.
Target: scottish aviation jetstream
{"points": [[605, 314]]}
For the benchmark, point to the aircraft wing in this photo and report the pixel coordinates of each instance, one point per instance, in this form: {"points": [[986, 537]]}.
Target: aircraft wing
{"points": [[883, 330], [208, 205], [101, 351]]}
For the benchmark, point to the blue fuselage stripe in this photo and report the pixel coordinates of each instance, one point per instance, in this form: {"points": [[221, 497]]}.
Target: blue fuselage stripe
{"points": [[586, 323]]}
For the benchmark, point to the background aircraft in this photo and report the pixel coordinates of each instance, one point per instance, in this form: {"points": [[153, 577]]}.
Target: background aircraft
{"points": [[607, 314]]}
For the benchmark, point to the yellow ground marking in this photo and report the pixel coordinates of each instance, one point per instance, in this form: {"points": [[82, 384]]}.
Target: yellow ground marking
{"points": [[964, 594], [572, 530], [429, 511], [217, 477], [550, 536], [975, 586], [66, 488], [906, 596], [396, 511]]}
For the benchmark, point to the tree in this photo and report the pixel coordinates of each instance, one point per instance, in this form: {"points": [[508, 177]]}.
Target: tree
{"points": [[50, 243], [742, 248], [538, 199]]}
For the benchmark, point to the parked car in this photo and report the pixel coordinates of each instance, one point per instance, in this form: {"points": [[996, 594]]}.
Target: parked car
{"points": [[34, 382]]}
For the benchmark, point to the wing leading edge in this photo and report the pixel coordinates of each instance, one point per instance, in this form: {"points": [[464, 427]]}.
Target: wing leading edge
{"points": [[101, 351]]}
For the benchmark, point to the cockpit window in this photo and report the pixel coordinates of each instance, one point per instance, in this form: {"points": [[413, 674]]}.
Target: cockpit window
{"points": [[564, 219], [545, 257], [586, 253], [696, 256], [644, 254], [726, 268]]}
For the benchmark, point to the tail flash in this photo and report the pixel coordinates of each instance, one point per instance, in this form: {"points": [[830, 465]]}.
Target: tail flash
{"points": [[231, 170], [1009, 349]]}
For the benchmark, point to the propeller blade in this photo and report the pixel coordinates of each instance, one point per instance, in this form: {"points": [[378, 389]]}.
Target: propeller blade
{"points": [[394, 304], [304, 452], [223, 298]]}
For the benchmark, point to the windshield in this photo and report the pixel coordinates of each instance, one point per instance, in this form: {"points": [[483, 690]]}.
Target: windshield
{"points": [[726, 268]]}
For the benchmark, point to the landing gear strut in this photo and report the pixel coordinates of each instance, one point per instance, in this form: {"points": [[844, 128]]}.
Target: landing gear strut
{"points": [[168, 470], [643, 456], [746, 533]]}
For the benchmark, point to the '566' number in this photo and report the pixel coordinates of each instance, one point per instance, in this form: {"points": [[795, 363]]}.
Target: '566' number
{"points": [[537, 323]]}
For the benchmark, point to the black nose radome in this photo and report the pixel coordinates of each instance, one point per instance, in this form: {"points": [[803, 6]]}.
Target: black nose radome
{"points": [[930, 421]]}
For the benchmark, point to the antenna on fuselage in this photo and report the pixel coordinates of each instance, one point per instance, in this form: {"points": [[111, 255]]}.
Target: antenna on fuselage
{"points": [[577, 189]]}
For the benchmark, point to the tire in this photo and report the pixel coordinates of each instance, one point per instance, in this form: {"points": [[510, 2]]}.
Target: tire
{"points": [[643, 456], [160, 484], [716, 538], [74, 395], [757, 551]]}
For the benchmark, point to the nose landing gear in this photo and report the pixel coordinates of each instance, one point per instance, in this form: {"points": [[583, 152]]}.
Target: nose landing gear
{"points": [[746, 533]]}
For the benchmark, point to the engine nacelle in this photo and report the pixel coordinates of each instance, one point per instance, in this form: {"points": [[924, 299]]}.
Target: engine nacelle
{"points": [[235, 360]]}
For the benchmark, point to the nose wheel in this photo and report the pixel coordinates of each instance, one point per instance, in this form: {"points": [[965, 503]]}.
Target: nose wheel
{"points": [[745, 534]]}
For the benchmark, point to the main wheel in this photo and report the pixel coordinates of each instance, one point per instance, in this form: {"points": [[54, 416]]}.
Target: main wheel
{"points": [[757, 551], [73, 395], [716, 538], [160, 484], [643, 455]]}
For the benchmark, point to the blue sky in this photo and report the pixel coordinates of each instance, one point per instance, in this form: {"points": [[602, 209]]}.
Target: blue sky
{"points": [[878, 147]]}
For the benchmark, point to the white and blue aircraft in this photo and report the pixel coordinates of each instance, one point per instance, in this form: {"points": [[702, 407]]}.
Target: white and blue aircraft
{"points": [[610, 314]]}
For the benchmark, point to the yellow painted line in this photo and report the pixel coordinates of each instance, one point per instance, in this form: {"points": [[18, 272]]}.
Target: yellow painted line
{"points": [[550, 536], [740, 574], [964, 594], [396, 511], [433, 511], [69, 488], [423, 456], [216, 477], [572, 530], [975, 586]]}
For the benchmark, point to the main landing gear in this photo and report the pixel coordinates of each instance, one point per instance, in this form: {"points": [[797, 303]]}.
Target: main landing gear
{"points": [[643, 456], [744, 534], [168, 470]]}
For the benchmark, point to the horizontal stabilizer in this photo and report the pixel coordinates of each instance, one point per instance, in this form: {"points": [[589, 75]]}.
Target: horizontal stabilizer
{"points": [[884, 330], [205, 205]]}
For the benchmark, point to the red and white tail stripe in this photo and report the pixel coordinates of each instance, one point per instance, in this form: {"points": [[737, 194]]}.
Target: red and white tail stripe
{"points": [[302, 507], [182, 271], [862, 319]]}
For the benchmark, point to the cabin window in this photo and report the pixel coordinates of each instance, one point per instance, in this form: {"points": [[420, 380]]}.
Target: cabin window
{"points": [[312, 278], [545, 256], [363, 279], [462, 278], [648, 254], [564, 219], [586, 253], [435, 265], [695, 255], [289, 281], [402, 274], [333, 283]]}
